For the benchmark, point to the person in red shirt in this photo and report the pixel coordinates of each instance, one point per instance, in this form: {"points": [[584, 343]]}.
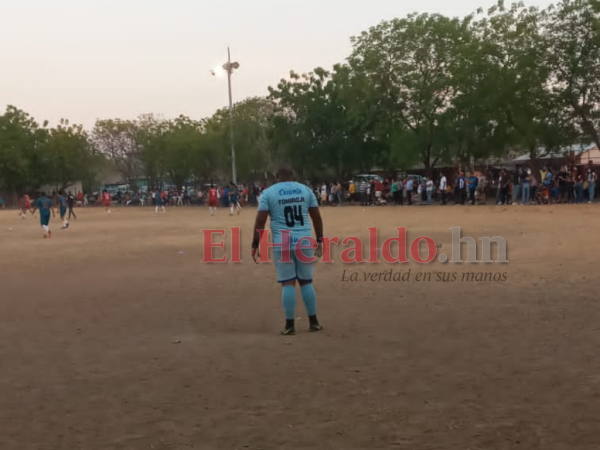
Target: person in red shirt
{"points": [[378, 189], [25, 206], [212, 200], [106, 200]]}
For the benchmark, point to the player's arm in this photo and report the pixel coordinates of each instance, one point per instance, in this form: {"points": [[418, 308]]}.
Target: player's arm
{"points": [[259, 224], [317, 220]]}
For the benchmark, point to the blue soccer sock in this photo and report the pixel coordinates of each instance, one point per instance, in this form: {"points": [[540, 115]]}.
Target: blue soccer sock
{"points": [[288, 297], [310, 299]]}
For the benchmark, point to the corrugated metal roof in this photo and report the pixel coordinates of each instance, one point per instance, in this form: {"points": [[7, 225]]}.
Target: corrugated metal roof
{"points": [[560, 153]]}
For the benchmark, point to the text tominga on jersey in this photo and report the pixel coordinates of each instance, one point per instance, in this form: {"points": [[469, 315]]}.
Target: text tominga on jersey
{"points": [[422, 249]]}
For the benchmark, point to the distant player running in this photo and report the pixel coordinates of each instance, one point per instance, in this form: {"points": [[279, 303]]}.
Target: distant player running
{"points": [[71, 205], [106, 201], [44, 204], [25, 206], [159, 201], [234, 199], [62, 208], [291, 207], [213, 198]]}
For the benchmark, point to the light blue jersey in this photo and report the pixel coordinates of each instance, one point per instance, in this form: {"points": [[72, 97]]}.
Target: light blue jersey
{"points": [[288, 204]]}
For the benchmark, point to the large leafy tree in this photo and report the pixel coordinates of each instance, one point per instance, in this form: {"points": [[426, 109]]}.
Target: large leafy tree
{"points": [[69, 154], [573, 31], [23, 164], [252, 125], [410, 65], [320, 126], [513, 41], [117, 139], [149, 136], [183, 140]]}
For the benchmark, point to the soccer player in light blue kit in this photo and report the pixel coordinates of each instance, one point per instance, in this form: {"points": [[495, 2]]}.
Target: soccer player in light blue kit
{"points": [[292, 206]]}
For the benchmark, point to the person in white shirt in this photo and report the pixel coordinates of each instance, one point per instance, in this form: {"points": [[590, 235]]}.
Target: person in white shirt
{"points": [[443, 187], [429, 187]]}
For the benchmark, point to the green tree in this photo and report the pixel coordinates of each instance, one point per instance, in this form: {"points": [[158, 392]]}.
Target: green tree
{"points": [[410, 65], [183, 139], [319, 126], [514, 42], [69, 154], [252, 125], [117, 139], [23, 164], [573, 30], [149, 136]]}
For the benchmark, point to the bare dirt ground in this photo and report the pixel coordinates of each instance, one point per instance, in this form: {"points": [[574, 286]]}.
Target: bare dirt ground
{"points": [[114, 336]]}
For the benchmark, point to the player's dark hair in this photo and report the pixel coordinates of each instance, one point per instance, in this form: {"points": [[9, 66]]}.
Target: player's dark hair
{"points": [[285, 172]]}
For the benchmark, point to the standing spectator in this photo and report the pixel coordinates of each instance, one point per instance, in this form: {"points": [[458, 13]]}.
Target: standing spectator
{"points": [[481, 187], [579, 193], [362, 190], [332, 193], [395, 192], [352, 190], [563, 176], [525, 186], [400, 186], [443, 187], [409, 191], [534, 186], [499, 188], [460, 189], [378, 191], [571, 178], [473, 182], [506, 181], [340, 193], [517, 180], [548, 179], [592, 178], [324, 194], [429, 190]]}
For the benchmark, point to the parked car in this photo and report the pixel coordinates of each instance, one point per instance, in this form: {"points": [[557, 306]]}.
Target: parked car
{"points": [[368, 177]]}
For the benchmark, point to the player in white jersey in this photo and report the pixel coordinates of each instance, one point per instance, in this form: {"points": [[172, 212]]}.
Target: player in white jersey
{"points": [[291, 206]]}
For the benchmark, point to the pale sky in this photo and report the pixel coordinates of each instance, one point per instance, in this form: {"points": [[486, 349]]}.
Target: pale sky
{"points": [[89, 59]]}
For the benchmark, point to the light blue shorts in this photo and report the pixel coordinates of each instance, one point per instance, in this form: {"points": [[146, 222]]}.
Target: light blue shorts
{"points": [[294, 269]]}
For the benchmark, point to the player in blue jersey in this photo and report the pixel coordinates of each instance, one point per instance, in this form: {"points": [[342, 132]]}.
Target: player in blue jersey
{"points": [[291, 206], [62, 208], [234, 201], [44, 204]]}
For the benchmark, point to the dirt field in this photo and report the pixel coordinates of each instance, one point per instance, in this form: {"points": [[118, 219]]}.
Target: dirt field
{"points": [[113, 335]]}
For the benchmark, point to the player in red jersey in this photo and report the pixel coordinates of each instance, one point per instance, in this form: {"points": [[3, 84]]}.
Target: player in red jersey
{"points": [[213, 197], [25, 206], [106, 200]]}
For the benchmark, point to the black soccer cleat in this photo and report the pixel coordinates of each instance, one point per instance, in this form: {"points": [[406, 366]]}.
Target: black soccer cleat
{"points": [[291, 331], [314, 327]]}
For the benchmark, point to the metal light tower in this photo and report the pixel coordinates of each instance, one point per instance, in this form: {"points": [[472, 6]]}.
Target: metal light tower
{"points": [[229, 67]]}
